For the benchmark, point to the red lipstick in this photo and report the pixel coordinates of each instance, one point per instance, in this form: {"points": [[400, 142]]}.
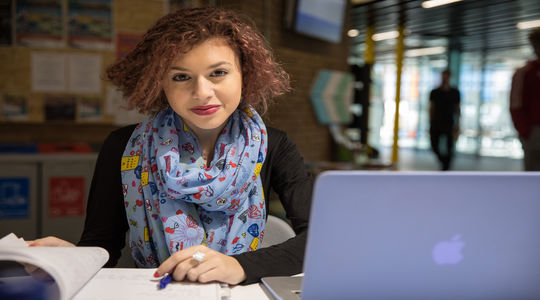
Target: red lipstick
{"points": [[205, 109]]}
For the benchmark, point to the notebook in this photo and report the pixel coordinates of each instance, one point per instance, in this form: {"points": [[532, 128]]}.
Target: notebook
{"points": [[423, 235]]}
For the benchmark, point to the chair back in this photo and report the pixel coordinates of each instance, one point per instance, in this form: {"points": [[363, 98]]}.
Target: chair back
{"points": [[277, 231]]}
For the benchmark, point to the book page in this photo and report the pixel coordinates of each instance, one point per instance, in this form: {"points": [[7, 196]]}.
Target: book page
{"points": [[71, 267], [120, 284], [11, 240]]}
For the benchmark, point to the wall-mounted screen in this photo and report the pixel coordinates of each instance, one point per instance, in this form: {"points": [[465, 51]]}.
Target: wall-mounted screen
{"points": [[322, 19]]}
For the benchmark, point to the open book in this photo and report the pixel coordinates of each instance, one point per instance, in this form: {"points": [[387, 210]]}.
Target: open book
{"points": [[78, 275], [70, 267]]}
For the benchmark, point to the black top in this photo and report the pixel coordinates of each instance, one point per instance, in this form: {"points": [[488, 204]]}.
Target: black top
{"points": [[445, 107], [283, 170]]}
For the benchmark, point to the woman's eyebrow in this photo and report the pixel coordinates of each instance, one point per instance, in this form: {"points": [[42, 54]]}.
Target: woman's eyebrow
{"points": [[178, 68], [221, 63], [218, 64]]}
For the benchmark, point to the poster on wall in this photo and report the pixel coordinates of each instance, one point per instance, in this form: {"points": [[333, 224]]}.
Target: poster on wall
{"points": [[14, 197], [90, 109], [5, 22], [60, 108], [15, 107], [38, 23], [126, 41], [90, 24], [66, 196]]}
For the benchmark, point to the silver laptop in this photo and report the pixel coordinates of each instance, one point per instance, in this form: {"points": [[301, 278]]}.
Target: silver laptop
{"points": [[424, 235]]}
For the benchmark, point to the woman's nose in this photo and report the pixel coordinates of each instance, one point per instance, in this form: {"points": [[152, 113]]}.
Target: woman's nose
{"points": [[203, 89]]}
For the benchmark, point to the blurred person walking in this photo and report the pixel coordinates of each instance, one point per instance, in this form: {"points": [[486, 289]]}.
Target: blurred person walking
{"points": [[444, 112], [525, 106]]}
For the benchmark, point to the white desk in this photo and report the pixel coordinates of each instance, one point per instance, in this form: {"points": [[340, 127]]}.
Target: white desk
{"points": [[118, 283]]}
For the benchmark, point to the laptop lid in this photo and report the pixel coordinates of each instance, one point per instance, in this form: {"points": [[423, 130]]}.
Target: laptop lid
{"points": [[424, 235]]}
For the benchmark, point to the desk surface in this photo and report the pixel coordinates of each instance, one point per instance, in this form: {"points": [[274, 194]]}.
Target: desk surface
{"points": [[118, 283]]}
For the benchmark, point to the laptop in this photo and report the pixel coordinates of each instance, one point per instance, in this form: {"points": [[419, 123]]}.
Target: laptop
{"points": [[422, 235]]}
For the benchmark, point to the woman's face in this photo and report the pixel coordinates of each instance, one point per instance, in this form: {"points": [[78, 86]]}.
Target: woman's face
{"points": [[204, 86]]}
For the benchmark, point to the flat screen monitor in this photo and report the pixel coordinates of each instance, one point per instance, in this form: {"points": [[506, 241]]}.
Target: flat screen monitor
{"points": [[322, 19]]}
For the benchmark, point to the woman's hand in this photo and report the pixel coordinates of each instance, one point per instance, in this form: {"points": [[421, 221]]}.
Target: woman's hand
{"points": [[214, 267], [50, 241]]}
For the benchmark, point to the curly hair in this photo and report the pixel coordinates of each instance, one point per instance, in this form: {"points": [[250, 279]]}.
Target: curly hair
{"points": [[138, 74], [534, 37]]}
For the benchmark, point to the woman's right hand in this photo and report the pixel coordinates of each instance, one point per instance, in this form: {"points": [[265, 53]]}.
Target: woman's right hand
{"points": [[50, 241]]}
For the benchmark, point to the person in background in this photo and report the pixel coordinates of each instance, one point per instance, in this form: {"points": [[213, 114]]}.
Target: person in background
{"points": [[192, 182], [444, 113], [525, 106]]}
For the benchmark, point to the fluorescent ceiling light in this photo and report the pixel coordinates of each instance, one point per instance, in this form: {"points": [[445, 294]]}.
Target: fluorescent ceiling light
{"points": [[528, 24], [385, 36], [425, 51], [353, 33], [434, 3]]}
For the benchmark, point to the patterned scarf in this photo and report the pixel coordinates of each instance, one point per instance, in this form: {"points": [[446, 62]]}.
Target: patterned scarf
{"points": [[174, 201]]}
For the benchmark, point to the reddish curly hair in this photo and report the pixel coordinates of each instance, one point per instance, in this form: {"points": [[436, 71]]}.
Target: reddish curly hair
{"points": [[138, 74]]}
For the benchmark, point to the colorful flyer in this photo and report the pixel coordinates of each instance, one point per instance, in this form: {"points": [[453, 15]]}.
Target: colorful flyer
{"points": [[14, 198], [90, 24], [126, 41], [66, 196], [39, 23], [90, 109], [15, 108]]}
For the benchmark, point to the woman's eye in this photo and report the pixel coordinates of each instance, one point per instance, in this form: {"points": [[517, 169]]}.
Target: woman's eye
{"points": [[180, 77], [219, 73]]}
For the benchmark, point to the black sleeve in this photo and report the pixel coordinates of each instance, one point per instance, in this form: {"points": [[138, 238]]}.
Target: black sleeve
{"points": [[106, 222], [293, 183]]}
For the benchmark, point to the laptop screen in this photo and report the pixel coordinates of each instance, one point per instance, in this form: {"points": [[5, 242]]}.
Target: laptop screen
{"points": [[396, 235]]}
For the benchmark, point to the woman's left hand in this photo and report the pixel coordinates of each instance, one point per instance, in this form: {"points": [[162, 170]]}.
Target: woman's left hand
{"points": [[215, 266]]}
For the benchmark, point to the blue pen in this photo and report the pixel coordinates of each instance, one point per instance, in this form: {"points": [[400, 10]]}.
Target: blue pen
{"points": [[164, 281]]}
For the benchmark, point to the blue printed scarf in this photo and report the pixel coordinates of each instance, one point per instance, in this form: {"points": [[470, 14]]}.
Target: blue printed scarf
{"points": [[174, 201]]}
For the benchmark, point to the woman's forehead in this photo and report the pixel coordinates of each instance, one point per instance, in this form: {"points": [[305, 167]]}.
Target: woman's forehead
{"points": [[217, 48]]}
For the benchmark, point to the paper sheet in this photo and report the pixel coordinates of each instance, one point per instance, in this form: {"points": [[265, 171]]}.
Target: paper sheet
{"points": [[48, 72], [84, 73], [119, 284], [115, 106], [11, 240]]}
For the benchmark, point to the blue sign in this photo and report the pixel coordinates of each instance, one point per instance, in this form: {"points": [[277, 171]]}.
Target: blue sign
{"points": [[14, 198]]}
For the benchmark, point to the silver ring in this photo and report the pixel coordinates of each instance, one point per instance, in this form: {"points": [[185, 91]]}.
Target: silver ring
{"points": [[198, 256]]}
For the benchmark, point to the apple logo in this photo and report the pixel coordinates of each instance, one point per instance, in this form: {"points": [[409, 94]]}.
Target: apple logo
{"points": [[449, 252]]}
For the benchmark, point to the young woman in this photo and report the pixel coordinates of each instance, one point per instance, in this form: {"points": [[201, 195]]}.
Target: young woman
{"points": [[191, 182]]}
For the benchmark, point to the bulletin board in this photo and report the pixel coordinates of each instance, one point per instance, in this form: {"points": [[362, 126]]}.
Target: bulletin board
{"points": [[56, 75]]}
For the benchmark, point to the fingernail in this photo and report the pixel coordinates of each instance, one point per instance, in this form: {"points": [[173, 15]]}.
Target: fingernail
{"points": [[156, 274]]}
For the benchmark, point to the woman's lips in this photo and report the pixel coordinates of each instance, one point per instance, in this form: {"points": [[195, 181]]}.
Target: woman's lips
{"points": [[205, 110]]}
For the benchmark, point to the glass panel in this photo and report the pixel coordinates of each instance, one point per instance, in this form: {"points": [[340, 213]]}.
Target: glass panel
{"points": [[469, 88], [485, 123]]}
